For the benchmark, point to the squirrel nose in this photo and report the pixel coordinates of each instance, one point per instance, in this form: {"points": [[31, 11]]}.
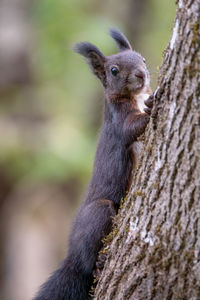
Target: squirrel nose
{"points": [[139, 74]]}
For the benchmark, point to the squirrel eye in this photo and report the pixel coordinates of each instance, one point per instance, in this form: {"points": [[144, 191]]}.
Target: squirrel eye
{"points": [[114, 71], [144, 60]]}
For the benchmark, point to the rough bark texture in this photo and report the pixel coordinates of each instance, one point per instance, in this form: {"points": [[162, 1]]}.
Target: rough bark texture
{"points": [[155, 251]]}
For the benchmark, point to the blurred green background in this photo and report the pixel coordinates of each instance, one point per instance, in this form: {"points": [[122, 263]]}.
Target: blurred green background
{"points": [[50, 114]]}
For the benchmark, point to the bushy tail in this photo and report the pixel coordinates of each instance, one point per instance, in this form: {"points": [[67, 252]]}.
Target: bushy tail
{"points": [[66, 283]]}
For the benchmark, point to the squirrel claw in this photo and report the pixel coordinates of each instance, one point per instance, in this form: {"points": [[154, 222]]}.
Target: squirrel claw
{"points": [[149, 101], [147, 110]]}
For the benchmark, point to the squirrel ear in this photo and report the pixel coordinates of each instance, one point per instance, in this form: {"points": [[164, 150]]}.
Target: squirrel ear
{"points": [[120, 39], [95, 59]]}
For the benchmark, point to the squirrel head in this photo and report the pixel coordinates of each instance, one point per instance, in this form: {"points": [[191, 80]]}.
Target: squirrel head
{"points": [[124, 74]]}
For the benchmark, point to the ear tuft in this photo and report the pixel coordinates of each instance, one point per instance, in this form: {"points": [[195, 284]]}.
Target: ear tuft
{"points": [[95, 59], [85, 49], [120, 39]]}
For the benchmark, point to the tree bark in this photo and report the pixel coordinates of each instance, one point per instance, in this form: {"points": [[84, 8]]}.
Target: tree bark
{"points": [[155, 248]]}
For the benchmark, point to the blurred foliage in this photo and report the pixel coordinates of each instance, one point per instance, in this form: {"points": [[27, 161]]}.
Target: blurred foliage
{"points": [[49, 129]]}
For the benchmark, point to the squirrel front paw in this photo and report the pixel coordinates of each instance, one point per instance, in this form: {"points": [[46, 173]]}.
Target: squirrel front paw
{"points": [[99, 264], [149, 103]]}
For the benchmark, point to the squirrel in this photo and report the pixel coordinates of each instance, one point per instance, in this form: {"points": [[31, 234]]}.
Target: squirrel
{"points": [[128, 104]]}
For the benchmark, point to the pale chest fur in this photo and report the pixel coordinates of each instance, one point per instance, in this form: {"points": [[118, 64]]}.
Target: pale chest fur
{"points": [[140, 98], [137, 147]]}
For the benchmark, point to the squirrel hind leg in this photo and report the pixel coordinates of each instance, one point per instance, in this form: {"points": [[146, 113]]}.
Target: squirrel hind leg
{"points": [[92, 223]]}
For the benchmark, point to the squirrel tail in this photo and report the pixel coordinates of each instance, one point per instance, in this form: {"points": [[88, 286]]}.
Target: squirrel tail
{"points": [[66, 283], [74, 278]]}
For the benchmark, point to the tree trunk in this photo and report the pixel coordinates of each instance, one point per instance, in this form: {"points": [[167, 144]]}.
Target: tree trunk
{"points": [[155, 248]]}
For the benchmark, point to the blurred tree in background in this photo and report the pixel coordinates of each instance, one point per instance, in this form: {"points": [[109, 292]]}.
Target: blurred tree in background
{"points": [[51, 110]]}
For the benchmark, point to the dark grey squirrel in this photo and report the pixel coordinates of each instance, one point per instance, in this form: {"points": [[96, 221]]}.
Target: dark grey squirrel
{"points": [[128, 104]]}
